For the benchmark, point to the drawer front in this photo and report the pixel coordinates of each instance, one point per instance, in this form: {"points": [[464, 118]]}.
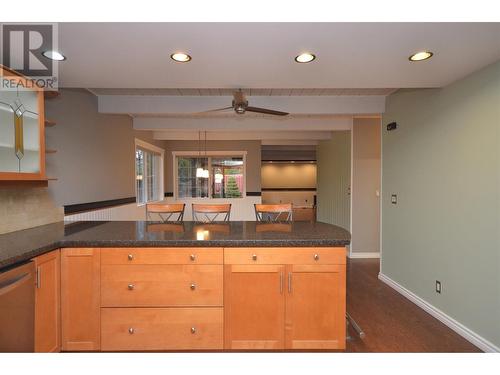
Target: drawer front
{"points": [[161, 329], [162, 255], [284, 255], [161, 285]]}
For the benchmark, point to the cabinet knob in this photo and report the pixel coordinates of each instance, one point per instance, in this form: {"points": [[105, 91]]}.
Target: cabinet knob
{"points": [[192, 257], [316, 257], [193, 286], [131, 286], [130, 257], [254, 257], [193, 330], [131, 331]]}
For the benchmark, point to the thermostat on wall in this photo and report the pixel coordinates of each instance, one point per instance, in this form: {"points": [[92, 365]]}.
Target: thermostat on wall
{"points": [[392, 126]]}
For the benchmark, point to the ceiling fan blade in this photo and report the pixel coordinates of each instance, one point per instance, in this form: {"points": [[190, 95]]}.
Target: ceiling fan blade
{"points": [[266, 111], [215, 110]]}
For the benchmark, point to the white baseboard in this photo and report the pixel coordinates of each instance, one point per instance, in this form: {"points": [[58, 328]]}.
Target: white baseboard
{"points": [[459, 328], [363, 254]]}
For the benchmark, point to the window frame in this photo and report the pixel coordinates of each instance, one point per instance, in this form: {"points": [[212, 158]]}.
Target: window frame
{"points": [[208, 155], [140, 144]]}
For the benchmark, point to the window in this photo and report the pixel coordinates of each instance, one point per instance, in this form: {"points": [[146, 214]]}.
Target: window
{"points": [[224, 176], [148, 172]]}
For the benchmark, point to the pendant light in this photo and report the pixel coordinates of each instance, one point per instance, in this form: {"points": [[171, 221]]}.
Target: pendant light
{"points": [[199, 170], [205, 173]]}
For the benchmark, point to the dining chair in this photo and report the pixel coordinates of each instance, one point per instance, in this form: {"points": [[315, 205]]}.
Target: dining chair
{"points": [[166, 211], [208, 213], [274, 212]]}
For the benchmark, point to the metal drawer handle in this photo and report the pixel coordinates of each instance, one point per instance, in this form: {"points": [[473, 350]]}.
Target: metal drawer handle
{"points": [[281, 282], [193, 330], [316, 256], [131, 257], [193, 286], [131, 286], [131, 331], [289, 282], [192, 257], [254, 257]]}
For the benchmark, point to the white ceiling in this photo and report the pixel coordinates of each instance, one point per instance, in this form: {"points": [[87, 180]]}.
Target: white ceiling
{"points": [[260, 55]]}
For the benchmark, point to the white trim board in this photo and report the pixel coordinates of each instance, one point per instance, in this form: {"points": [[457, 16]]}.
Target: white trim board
{"points": [[363, 254], [456, 326]]}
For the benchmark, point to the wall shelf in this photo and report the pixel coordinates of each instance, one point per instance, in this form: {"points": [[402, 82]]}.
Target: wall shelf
{"points": [[50, 94], [23, 183]]}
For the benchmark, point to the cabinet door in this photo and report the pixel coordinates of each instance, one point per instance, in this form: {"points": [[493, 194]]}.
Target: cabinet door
{"points": [[47, 303], [80, 299], [22, 134], [315, 307], [254, 307]]}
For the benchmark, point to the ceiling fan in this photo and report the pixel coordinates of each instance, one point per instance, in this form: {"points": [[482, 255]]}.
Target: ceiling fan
{"points": [[240, 106]]}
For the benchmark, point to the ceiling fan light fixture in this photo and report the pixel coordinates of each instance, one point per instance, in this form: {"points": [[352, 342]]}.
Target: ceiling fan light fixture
{"points": [[239, 109], [305, 57], [420, 56], [180, 57]]}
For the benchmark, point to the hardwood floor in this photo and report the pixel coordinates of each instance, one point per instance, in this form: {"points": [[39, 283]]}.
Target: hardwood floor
{"points": [[390, 321]]}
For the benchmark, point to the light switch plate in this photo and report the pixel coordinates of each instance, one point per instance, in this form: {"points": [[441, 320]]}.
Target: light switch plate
{"points": [[438, 286], [394, 199]]}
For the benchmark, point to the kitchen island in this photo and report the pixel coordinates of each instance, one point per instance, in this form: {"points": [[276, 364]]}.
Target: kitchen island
{"points": [[126, 286]]}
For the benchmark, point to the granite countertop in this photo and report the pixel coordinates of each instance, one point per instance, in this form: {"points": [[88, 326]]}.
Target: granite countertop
{"points": [[20, 246]]}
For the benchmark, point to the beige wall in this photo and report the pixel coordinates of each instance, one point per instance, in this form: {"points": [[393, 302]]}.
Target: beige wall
{"points": [[253, 158], [443, 161], [288, 175], [22, 208], [365, 227], [95, 152], [334, 179]]}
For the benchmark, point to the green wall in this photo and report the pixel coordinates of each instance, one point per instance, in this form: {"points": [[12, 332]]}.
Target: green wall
{"points": [[334, 179], [443, 161]]}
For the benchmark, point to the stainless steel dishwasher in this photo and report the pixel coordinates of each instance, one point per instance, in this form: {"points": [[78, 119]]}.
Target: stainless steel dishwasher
{"points": [[17, 309]]}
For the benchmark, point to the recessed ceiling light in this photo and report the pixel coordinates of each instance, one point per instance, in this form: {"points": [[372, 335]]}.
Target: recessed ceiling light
{"points": [[180, 57], [54, 55], [305, 58], [419, 56]]}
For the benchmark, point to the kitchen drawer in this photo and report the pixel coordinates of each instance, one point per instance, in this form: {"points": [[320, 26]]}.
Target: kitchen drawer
{"points": [[161, 285], [283, 255], [161, 328], [162, 255]]}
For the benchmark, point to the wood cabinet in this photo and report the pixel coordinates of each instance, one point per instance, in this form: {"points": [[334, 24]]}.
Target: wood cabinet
{"points": [[22, 150], [203, 299], [315, 307], [80, 299], [47, 303], [286, 298], [162, 328], [254, 307], [161, 285], [164, 255]]}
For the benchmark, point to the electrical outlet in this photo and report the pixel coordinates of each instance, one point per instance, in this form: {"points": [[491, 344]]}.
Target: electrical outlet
{"points": [[394, 199], [438, 286]]}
